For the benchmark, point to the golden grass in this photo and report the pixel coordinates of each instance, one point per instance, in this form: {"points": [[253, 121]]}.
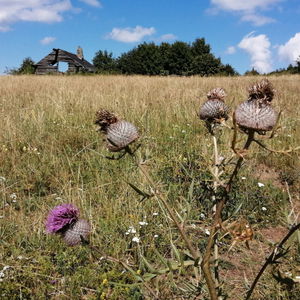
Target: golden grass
{"points": [[50, 153]]}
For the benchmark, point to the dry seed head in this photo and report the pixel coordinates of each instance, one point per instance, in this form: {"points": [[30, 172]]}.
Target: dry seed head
{"points": [[216, 94], [104, 119], [120, 135], [74, 234], [257, 113], [214, 109], [262, 91]]}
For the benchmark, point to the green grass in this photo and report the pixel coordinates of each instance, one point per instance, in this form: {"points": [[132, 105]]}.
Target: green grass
{"points": [[50, 153]]}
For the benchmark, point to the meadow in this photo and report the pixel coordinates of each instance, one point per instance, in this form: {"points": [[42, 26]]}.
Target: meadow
{"points": [[50, 153]]}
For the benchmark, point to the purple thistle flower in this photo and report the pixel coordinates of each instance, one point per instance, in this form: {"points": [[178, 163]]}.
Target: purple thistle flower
{"points": [[61, 217]]}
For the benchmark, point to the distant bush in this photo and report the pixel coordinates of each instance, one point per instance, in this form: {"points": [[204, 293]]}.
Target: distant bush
{"points": [[27, 67]]}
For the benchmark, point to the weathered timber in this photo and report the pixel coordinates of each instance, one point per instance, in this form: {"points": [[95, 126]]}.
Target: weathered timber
{"points": [[49, 64]]}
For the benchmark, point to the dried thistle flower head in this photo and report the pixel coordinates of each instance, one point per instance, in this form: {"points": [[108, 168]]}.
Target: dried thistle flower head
{"points": [[256, 113], [60, 217], [77, 232], [214, 110], [262, 91], [104, 119], [216, 94], [119, 133]]}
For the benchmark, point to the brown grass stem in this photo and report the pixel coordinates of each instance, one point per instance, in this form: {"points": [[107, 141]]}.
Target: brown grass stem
{"points": [[271, 259]]}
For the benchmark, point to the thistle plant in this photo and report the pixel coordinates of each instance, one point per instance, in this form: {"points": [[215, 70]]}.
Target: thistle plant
{"points": [[254, 116], [64, 220], [119, 134]]}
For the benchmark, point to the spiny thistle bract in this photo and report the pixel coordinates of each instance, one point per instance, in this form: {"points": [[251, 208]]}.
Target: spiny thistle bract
{"points": [[119, 133], [76, 232], [256, 113], [214, 110], [63, 219]]}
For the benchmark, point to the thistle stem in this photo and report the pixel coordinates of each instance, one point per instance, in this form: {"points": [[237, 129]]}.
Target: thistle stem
{"points": [[205, 264]]}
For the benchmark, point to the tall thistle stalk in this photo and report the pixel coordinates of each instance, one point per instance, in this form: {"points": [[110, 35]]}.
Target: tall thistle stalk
{"points": [[252, 116]]}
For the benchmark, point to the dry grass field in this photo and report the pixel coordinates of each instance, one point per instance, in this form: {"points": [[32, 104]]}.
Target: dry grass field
{"points": [[50, 153]]}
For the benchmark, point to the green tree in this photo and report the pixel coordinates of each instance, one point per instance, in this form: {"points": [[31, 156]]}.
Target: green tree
{"points": [[27, 67], [199, 47], [179, 59], [298, 64], [228, 70], [145, 59], [205, 65], [252, 72], [104, 62]]}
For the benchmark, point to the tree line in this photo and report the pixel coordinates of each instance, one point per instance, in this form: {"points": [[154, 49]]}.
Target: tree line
{"points": [[179, 58]]}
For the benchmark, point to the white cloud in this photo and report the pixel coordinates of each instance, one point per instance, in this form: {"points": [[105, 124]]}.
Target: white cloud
{"points": [[290, 51], [95, 3], [4, 28], [257, 20], [258, 47], [248, 10], [47, 40], [167, 37], [130, 35], [242, 5], [47, 11], [230, 50]]}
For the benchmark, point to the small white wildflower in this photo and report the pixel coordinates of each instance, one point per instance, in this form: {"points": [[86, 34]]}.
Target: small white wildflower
{"points": [[207, 232], [193, 225], [14, 201], [13, 196], [171, 137], [155, 236], [243, 178], [2, 274], [263, 208], [220, 159], [155, 214], [5, 268], [20, 257], [143, 223], [183, 131], [260, 184], [136, 239], [202, 216], [131, 229]]}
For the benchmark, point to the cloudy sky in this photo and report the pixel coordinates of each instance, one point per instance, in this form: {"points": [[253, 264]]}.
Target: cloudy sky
{"points": [[264, 34]]}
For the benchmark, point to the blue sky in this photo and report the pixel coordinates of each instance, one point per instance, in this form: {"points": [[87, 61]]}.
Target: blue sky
{"points": [[264, 34]]}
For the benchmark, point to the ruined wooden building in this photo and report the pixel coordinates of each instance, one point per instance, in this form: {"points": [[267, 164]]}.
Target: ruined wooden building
{"points": [[76, 62]]}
